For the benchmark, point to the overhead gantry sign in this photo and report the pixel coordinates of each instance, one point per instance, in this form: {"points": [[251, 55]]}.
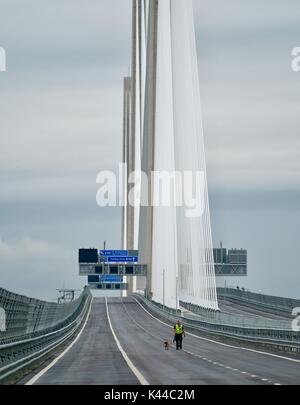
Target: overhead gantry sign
{"points": [[105, 269]]}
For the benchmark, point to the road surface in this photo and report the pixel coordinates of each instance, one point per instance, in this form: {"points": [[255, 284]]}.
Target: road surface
{"points": [[96, 358]]}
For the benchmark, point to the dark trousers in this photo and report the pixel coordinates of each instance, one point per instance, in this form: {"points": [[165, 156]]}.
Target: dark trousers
{"points": [[178, 339]]}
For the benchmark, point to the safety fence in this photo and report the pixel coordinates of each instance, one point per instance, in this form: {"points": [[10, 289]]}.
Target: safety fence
{"points": [[35, 328], [254, 300], [273, 336], [232, 319]]}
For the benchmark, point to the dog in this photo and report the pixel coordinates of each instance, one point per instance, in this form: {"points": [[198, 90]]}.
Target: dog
{"points": [[167, 345]]}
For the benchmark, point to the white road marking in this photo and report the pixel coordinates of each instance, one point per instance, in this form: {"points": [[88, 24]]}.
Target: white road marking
{"points": [[222, 344], [135, 371], [212, 341], [186, 351], [44, 371]]}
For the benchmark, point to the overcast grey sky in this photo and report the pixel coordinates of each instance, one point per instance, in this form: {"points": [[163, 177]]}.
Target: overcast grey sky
{"points": [[61, 123]]}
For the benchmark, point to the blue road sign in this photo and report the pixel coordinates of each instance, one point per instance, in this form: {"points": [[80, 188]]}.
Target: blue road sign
{"points": [[125, 259], [111, 279], [113, 253]]}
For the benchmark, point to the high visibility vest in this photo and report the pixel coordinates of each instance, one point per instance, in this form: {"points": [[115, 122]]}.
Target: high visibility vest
{"points": [[179, 329]]}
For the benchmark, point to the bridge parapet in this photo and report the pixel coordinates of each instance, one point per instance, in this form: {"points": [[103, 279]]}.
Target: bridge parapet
{"points": [[256, 300], [273, 334], [35, 328]]}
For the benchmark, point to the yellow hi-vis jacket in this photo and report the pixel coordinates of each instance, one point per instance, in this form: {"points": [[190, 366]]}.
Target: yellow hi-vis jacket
{"points": [[179, 329]]}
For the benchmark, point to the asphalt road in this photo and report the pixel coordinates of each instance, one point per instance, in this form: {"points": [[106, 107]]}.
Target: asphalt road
{"points": [[96, 358]]}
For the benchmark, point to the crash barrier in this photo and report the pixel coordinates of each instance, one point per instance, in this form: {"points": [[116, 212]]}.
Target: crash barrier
{"points": [[35, 328], [268, 303], [263, 332]]}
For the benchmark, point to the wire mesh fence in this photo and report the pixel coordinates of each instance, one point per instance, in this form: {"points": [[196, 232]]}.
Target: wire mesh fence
{"points": [[33, 328]]}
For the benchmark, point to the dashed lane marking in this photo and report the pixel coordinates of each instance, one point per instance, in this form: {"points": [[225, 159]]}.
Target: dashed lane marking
{"points": [[219, 343], [208, 360]]}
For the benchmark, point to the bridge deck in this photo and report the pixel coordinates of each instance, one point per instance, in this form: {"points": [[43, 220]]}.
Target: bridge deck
{"points": [[96, 359]]}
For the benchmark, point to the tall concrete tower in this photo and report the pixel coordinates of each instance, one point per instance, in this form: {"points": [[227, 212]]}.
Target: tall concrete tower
{"points": [[134, 100], [167, 135]]}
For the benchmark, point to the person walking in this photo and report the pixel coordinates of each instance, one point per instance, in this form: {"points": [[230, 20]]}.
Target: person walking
{"points": [[179, 334]]}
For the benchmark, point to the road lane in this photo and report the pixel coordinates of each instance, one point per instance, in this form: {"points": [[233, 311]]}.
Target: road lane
{"points": [[235, 364], [94, 360], [142, 338]]}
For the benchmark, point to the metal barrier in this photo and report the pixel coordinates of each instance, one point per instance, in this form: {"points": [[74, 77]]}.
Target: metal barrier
{"points": [[256, 300], [245, 321], [35, 328], [275, 337]]}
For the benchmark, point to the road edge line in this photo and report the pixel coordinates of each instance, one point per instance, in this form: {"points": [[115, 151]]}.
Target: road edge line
{"points": [[34, 379], [132, 367], [220, 343]]}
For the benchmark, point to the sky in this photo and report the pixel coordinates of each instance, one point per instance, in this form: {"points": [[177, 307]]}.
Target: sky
{"points": [[61, 123]]}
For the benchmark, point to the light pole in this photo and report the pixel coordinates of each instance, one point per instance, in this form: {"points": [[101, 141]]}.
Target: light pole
{"points": [[177, 306], [164, 285]]}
